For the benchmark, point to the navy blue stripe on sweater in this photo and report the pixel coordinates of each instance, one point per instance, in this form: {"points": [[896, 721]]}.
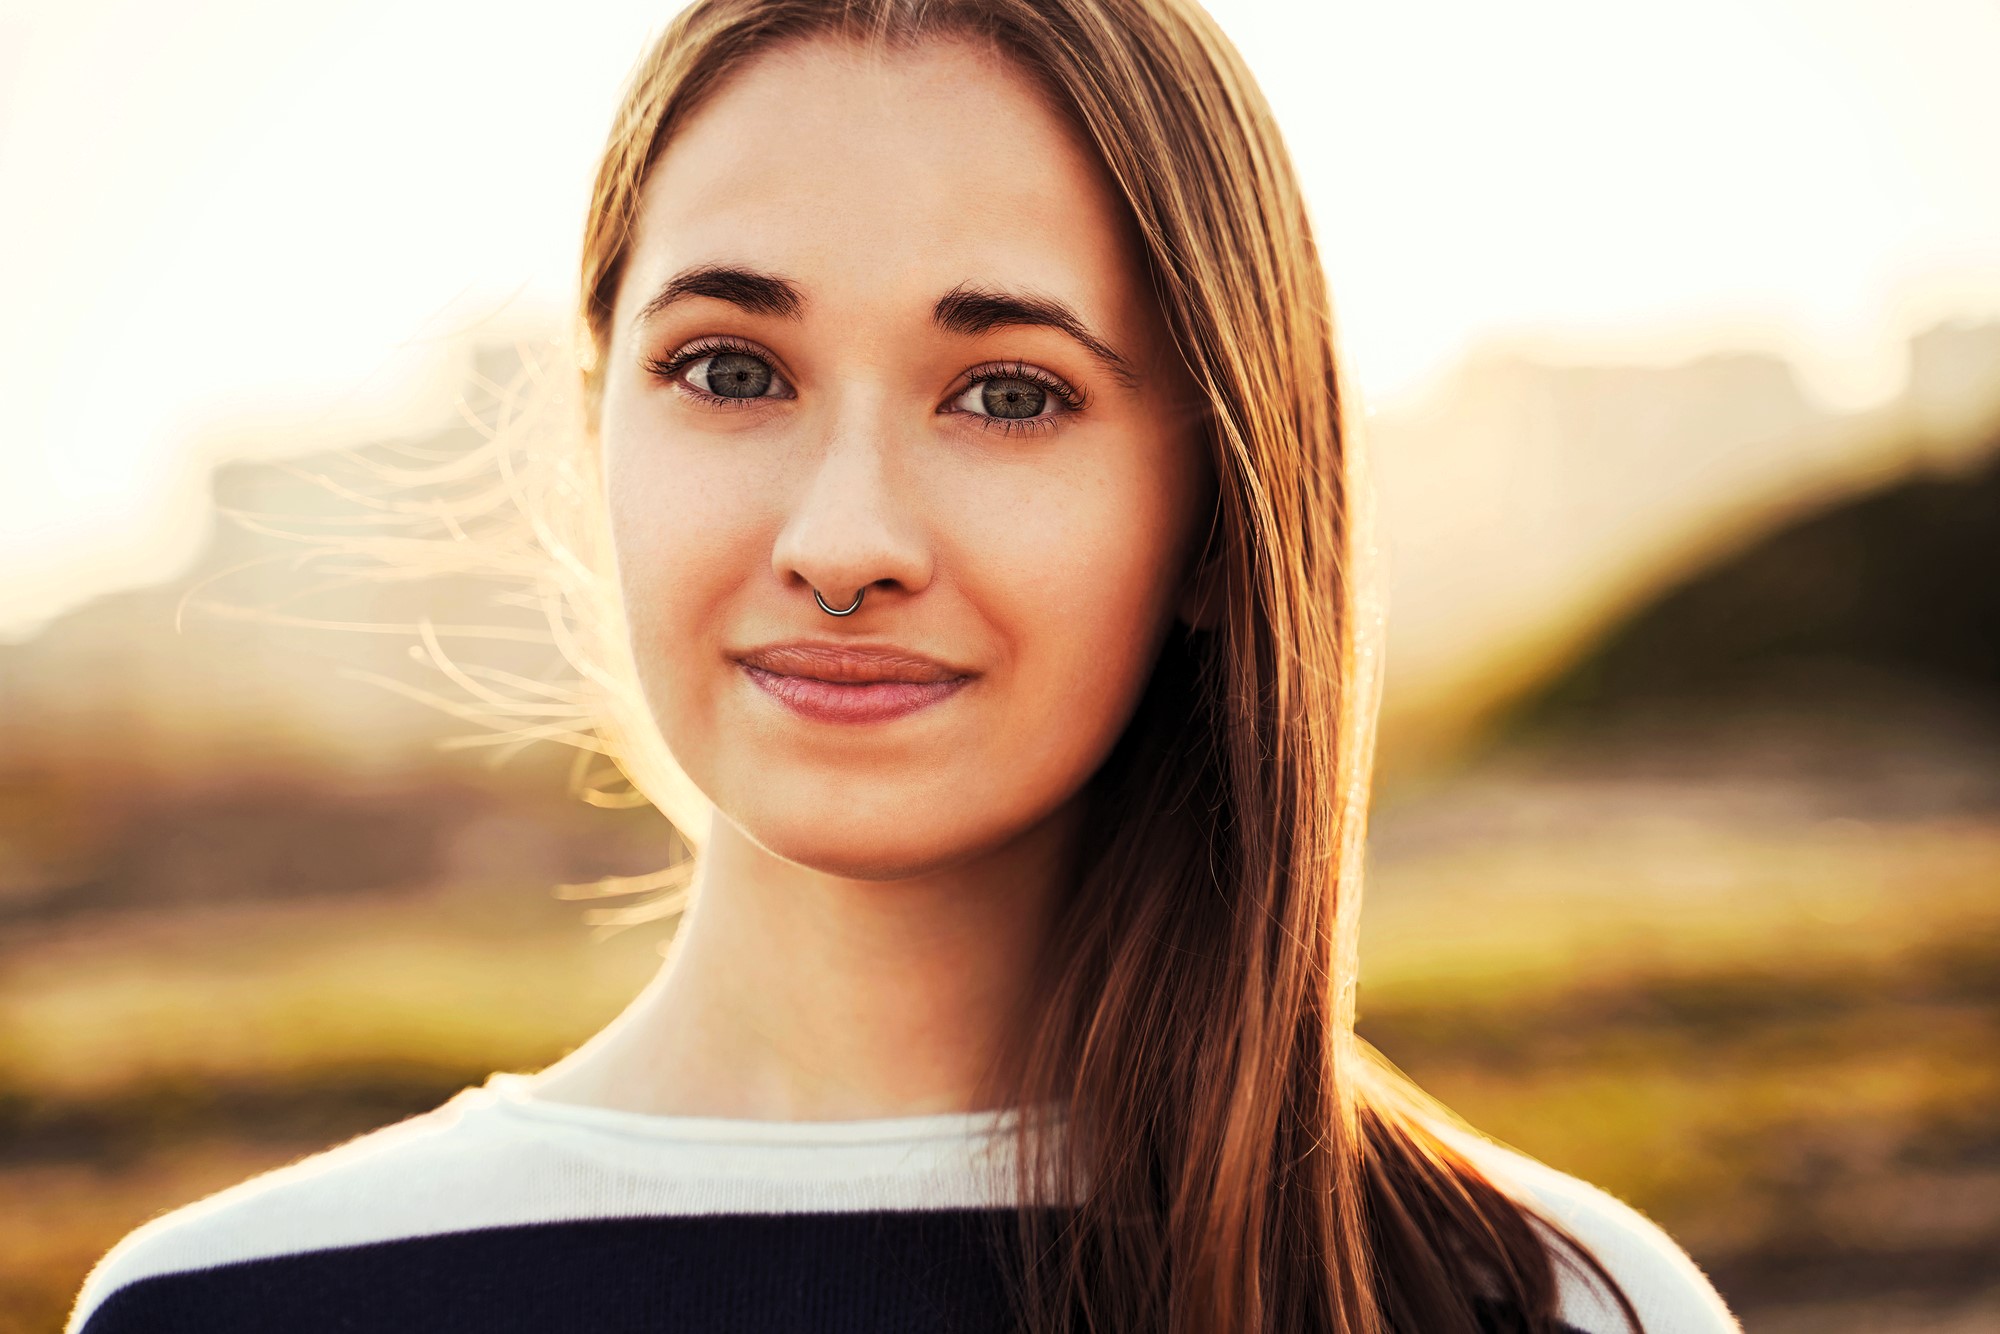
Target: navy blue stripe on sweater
{"points": [[503, 1210], [907, 1272]]}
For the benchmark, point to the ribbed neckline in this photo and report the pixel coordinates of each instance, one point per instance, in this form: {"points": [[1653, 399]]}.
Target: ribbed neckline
{"points": [[515, 1093]]}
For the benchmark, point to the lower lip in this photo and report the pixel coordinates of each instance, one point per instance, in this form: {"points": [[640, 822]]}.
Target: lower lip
{"points": [[845, 702]]}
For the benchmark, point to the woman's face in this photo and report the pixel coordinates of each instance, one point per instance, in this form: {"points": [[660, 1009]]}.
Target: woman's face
{"points": [[840, 362]]}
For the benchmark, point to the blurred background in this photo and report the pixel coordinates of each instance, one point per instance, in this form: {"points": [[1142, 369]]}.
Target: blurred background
{"points": [[1678, 329]]}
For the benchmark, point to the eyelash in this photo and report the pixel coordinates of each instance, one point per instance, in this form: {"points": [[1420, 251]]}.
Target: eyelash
{"points": [[1071, 400], [669, 368]]}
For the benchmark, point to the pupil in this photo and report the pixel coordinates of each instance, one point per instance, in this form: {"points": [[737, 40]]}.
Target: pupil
{"points": [[1013, 398], [738, 375]]}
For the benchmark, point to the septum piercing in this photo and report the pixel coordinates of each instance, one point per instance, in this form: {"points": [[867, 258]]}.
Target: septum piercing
{"points": [[830, 611]]}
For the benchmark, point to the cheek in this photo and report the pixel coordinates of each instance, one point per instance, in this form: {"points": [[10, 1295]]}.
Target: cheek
{"points": [[684, 535], [1078, 579]]}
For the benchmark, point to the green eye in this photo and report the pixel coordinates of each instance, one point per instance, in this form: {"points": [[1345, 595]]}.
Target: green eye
{"points": [[732, 375], [1013, 398]]}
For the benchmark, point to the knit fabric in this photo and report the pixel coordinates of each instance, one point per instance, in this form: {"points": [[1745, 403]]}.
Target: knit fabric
{"points": [[503, 1211]]}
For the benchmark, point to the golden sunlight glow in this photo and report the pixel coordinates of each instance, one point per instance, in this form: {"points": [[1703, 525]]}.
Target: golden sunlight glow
{"points": [[250, 228]]}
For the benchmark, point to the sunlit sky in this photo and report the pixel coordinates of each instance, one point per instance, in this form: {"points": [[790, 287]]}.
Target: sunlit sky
{"points": [[235, 226]]}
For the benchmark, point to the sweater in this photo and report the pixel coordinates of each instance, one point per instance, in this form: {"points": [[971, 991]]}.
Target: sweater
{"points": [[501, 1210]]}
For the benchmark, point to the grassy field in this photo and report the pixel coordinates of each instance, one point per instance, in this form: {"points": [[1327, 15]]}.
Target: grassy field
{"points": [[1780, 1043]]}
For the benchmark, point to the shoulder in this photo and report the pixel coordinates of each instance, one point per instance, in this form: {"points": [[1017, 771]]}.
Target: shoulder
{"points": [[1668, 1289], [403, 1178]]}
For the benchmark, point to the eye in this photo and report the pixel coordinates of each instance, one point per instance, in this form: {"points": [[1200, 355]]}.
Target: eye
{"points": [[722, 371], [1017, 397]]}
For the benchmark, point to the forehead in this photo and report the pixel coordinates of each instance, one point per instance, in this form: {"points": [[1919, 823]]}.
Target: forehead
{"points": [[886, 178]]}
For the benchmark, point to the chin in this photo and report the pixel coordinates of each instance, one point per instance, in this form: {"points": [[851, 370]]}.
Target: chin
{"points": [[889, 849], [867, 830]]}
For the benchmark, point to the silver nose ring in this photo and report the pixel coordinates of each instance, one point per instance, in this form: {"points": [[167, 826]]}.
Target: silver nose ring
{"points": [[830, 611]]}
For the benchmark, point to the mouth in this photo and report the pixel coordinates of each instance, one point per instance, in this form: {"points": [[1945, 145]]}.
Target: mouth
{"points": [[850, 683]]}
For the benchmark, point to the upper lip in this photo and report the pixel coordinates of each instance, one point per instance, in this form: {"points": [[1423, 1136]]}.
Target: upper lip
{"points": [[826, 661]]}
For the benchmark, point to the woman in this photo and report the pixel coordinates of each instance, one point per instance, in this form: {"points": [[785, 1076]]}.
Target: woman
{"points": [[962, 426]]}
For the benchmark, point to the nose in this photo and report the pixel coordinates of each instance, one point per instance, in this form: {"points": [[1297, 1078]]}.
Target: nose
{"points": [[851, 525]]}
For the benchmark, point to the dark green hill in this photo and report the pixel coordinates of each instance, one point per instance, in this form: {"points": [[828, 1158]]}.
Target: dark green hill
{"points": [[1898, 586]]}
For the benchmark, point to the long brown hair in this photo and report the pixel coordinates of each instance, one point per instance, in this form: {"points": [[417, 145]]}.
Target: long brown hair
{"points": [[1236, 1158]]}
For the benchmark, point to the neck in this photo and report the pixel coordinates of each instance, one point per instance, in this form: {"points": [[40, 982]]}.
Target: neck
{"points": [[791, 995]]}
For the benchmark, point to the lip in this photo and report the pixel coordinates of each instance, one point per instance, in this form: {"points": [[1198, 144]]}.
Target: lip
{"points": [[850, 683]]}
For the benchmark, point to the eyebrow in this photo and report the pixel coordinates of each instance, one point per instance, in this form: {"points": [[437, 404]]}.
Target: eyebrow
{"points": [[970, 310], [758, 293], [966, 309]]}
